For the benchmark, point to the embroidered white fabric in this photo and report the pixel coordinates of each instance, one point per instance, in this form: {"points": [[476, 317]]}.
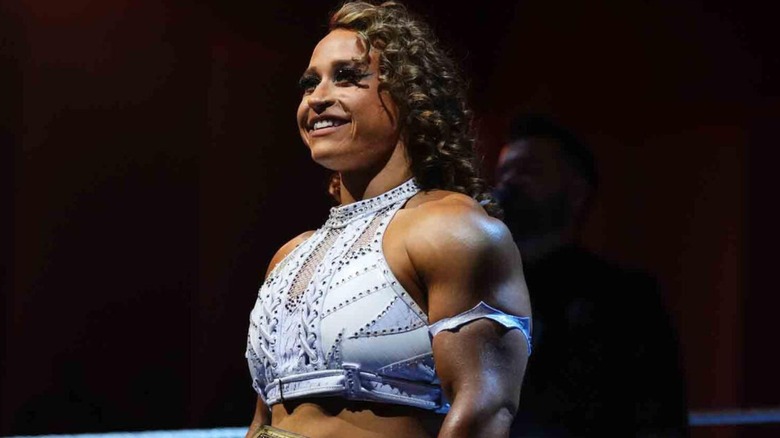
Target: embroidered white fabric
{"points": [[332, 319]]}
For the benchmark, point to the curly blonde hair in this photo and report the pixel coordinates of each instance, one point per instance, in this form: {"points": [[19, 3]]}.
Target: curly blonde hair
{"points": [[427, 87]]}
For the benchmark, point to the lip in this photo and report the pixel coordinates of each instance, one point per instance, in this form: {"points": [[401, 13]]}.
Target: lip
{"points": [[325, 131], [314, 118], [325, 116]]}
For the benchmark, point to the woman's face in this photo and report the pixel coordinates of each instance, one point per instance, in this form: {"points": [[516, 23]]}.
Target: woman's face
{"points": [[347, 123]]}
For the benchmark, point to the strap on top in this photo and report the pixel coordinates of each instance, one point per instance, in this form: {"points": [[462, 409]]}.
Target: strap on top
{"points": [[483, 310]]}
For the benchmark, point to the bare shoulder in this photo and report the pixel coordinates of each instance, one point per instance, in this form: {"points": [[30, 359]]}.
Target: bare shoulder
{"points": [[444, 220], [463, 255], [286, 249]]}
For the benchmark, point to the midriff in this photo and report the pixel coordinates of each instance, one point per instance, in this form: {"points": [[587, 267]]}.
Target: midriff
{"points": [[338, 418]]}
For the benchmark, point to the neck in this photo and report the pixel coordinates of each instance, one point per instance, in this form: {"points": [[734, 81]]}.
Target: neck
{"points": [[363, 184], [354, 188]]}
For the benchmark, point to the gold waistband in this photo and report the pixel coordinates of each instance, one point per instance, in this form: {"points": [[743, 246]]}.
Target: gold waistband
{"points": [[272, 432]]}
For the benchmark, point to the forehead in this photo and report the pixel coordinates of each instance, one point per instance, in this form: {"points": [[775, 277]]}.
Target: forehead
{"points": [[338, 45]]}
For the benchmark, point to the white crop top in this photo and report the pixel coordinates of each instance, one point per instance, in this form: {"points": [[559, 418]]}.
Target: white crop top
{"points": [[331, 319]]}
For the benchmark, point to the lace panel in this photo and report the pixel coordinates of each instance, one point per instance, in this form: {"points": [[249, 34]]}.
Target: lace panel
{"points": [[305, 273], [369, 234]]}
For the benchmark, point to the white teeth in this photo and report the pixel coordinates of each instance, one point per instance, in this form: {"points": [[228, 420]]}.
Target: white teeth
{"points": [[322, 124], [327, 123]]}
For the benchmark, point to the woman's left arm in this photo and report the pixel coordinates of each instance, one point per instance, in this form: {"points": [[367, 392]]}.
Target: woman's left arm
{"points": [[463, 257]]}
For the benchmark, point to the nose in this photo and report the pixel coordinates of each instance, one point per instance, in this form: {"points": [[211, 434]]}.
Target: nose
{"points": [[319, 100], [319, 105]]}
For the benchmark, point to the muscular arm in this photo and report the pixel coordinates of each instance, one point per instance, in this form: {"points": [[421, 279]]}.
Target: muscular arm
{"points": [[262, 415], [464, 257]]}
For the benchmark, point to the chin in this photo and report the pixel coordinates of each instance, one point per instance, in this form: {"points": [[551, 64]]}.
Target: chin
{"points": [[338, 163], [333, 156], [328, 160], [321, 156]]}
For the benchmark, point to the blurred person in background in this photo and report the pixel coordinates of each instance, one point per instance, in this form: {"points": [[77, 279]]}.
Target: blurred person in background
{"points": [[605, 355]]}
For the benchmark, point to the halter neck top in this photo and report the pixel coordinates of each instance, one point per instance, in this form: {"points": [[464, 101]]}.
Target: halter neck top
{"points": [[331, 319]]}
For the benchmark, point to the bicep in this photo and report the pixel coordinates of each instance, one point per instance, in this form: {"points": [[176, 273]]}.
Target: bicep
{"points": [[477, 263], [486, 359], [482, 364]]}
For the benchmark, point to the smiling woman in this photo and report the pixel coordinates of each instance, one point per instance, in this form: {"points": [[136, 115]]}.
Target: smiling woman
{"points": [[406, 313], [347, 122]]}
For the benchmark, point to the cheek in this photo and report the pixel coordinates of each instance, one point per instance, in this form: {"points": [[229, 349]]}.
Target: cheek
{"points": [[380, 120], [301, 113], [389, 109], [300, 119]]}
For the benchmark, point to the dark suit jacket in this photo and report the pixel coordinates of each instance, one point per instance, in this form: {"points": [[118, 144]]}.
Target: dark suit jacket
{"points": [[605, 358]]}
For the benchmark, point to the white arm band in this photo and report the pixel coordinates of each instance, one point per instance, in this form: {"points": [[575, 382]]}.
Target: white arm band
{"points": [[482, 310]]}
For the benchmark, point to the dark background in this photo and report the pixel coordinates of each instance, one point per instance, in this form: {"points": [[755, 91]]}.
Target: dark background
{"points": [[151, 166]]}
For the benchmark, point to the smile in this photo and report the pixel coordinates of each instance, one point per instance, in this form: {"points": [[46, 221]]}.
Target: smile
{"points": [[325, 123]]}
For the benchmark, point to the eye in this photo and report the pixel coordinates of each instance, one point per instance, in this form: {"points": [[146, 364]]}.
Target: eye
{"points": [[308, 83], [349, 76]]}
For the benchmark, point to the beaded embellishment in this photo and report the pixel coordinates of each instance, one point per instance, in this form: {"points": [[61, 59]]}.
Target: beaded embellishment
{"points": [[286, 330]]}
